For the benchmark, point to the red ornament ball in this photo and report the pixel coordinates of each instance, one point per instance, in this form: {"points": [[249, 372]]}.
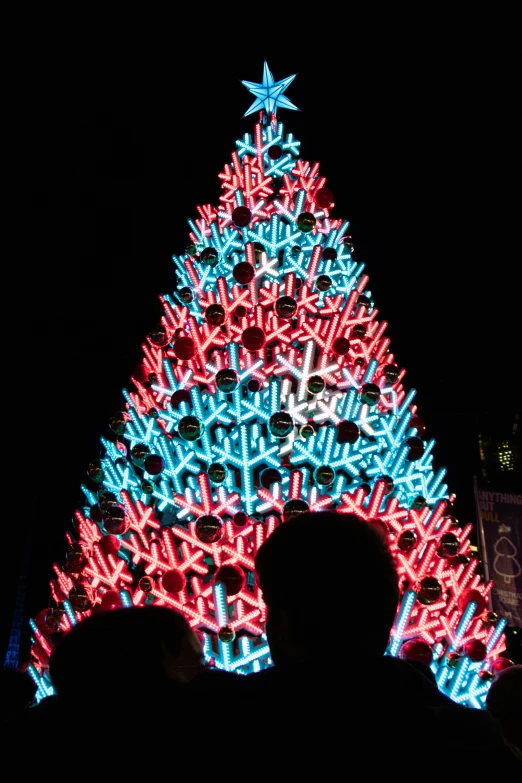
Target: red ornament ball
{"points": [[476, 650], [419, 425], [241, 311], [208, 528], [347, 432], [109, 545], [241, 217], [253, 338], [181, 395], [416, 449], [472, 595], [240, 519], [154, 464], [243, 273], [184, 348], [417, 650], [324, 198], [173, 581], [253, 385], [274, 152], [341, 346], [110, 600], [141, 373], [500, 664], [232, 576]]}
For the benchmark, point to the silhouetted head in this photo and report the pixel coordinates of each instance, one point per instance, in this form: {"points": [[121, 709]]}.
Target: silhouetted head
{"points": [[135, 653], [327, 578], [504, 702], [17, 692]]}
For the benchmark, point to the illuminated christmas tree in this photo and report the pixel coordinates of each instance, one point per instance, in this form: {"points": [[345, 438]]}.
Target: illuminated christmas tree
{"points": [[269, 389]]}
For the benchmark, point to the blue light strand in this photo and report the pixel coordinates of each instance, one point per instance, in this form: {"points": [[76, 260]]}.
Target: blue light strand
{"points": [[125, 599], [458, 677], [499, 630], [402, 620], [464, 622], [220, 603], [69, 611]]}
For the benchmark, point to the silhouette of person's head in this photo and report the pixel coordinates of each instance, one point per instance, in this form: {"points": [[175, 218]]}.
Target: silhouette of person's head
{"points": [[504, 702], [17, 692], [137, 653], [326, 576]]}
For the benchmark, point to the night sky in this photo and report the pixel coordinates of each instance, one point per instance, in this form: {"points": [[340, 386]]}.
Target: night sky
{"points": [[417, 145]]}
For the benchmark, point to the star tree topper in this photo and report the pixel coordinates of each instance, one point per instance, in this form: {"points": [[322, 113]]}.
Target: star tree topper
{"points": [[269, 94]]}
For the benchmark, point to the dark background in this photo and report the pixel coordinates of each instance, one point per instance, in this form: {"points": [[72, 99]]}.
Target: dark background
{"points": [[417, 139]]}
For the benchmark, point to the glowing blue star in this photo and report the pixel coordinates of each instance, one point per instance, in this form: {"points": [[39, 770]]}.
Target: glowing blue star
{"points": [[269, 94]]}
